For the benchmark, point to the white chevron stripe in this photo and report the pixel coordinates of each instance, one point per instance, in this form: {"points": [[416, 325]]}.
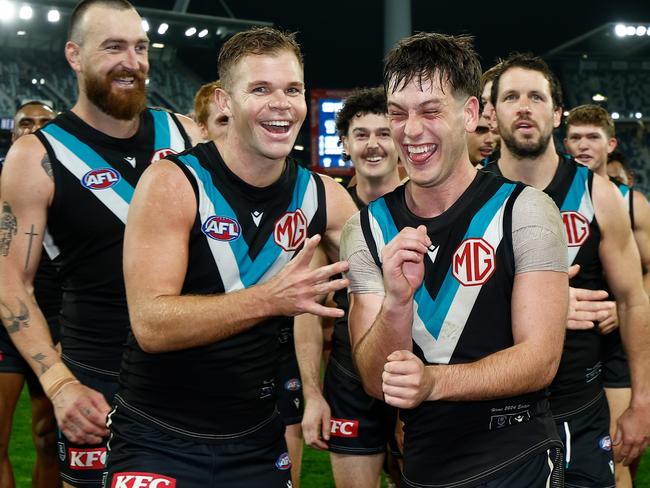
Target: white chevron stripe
{"points": [[109, 197]]}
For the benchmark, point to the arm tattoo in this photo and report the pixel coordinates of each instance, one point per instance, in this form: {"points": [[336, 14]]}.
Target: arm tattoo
{"points": [[40, 358], [31, 235], [15, 322], [8, 227], [47, 166]]}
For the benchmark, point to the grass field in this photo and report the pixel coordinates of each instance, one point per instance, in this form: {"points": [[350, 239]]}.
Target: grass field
{"points": [[316, 471]]}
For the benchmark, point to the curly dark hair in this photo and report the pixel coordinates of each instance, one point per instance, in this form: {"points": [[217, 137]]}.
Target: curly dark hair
{"points": [[427, 56]]}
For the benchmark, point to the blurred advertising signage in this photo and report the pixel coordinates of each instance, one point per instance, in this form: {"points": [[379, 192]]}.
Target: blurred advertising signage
{"points": [[325, 149]]}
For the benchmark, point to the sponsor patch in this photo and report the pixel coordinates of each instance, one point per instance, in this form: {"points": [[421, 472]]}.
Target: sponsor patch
{"points": [[577, 228], [292, 385], [82, 459], [142, 480], [605, 443], [100, 179], [283, 462], [221, 228], [61, 449], [290, 230], [162, 154], [344, 427], [473, 263]]}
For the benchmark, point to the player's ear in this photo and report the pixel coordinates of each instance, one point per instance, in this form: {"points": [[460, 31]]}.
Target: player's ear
{"points": [[223, 101], [471, 111], [72, 55]]}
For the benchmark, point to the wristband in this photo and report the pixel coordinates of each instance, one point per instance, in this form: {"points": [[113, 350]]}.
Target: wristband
{"points": [[55, 378]]}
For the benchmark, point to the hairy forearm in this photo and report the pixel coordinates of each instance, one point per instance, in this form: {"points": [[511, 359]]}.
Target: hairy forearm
{"points": [[391, 331], [635, 333], [308, 337], [519, 369], [171, 323]]}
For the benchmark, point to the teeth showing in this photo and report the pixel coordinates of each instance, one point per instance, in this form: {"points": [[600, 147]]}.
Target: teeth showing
{"points": [[421, 149], [278, 123], [374, 159]]}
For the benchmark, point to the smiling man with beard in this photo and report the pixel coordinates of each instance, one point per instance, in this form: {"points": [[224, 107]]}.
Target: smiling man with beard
{"points": [[70, 186]]}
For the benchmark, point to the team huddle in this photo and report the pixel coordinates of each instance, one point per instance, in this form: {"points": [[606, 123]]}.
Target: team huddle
{"points": [[165, 282]]}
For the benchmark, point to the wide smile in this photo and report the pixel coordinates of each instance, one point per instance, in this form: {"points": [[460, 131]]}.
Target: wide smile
{"points": [[277, 127], [419, 153], [124, 81]]}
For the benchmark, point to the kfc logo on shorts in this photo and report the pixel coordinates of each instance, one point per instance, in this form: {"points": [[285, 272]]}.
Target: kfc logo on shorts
{"points": [[284, 462], [100, 179], [577, 228], [473, 263], [142, 480], [290, 230], [87, 458], [162, 154], [344, 428], [221, 228]]}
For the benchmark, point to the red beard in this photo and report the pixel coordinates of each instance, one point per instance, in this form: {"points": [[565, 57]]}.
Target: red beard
{"points": [[119, 104]]}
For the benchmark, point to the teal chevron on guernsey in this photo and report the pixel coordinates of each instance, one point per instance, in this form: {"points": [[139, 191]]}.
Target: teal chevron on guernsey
{"points": [[236, 267], [79, 158], [438, 324], [166, 132], [578, 199]]}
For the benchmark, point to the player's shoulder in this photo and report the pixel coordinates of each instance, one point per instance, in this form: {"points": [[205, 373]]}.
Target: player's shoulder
{"points": [[25, 151]]}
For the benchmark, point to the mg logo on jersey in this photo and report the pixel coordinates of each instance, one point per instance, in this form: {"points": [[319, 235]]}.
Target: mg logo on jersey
{"points": [[221, 228], [87, 458], [162, 154], [290, 230], [100, 179], [577, 228], [142, 480], [473, 262], [344, 428]]}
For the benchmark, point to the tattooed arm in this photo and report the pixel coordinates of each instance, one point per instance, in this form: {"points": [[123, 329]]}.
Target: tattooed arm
{"points": [[27, 188]]}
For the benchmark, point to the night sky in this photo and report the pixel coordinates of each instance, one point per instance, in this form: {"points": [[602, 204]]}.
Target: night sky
{"points": [[343, 39]]}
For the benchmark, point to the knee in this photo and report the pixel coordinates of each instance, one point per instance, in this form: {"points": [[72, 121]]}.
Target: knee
{"points": [[44, 436]]}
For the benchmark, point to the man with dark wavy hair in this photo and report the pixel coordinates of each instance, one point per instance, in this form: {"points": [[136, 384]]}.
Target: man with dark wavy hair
{"points": [[357, 429], [445, 273], [528, 101]]}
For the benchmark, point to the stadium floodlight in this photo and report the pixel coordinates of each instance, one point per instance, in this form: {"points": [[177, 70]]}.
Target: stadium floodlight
{"points": [[638, 115], [42, 81], [53, 15], [145, 25], [620, 30], [565, 113], [7, 10], [162, 28], [630, 30], [34, 81], [616, 115], [203, 33], [599, 97], [190, 32], [641, 30], [25, 12], [158, 45], [21, 33]]}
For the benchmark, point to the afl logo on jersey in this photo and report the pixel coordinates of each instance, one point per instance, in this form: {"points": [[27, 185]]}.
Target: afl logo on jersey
{"points": [[473, 262], [221, 228], [577, 228], [162, 154], [100, 179], [290, 230], [283, 462]]}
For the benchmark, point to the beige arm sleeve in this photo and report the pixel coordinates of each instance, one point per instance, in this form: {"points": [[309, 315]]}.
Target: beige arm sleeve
{"points": [[538, 235], [364, 274]]}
